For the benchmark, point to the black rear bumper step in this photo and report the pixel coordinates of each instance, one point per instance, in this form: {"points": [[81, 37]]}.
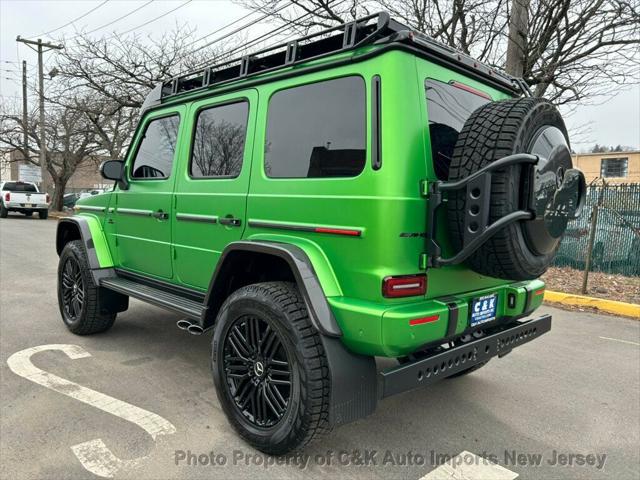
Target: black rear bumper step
{"points": [[430, 370], [177, 303]]}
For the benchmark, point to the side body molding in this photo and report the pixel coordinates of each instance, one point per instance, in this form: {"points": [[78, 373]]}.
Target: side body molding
{"points": [[303, 272]]}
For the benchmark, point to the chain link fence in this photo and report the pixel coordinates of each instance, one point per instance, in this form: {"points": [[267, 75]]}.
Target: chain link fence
{"points": [[616, 238]]}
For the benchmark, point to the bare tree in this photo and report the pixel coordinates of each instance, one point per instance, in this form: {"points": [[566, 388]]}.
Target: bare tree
{"points": [[70, 142], [566, 50]]}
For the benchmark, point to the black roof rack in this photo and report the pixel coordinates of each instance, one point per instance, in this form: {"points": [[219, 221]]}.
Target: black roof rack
{"points": [[376, 29]]}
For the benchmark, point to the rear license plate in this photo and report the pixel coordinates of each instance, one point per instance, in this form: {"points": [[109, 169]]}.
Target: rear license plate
{"points": [[483, 309]]}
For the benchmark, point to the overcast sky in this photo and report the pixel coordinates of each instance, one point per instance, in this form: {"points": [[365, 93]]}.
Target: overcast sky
{"points": [[616, 121]]}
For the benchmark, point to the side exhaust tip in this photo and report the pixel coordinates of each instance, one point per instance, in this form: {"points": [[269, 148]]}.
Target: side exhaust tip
{"points": [[183, 324], [195, 329]]}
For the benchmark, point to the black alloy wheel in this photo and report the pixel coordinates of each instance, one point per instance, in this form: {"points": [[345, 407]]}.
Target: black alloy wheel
{"points": [[73, 289], [257, 371]]}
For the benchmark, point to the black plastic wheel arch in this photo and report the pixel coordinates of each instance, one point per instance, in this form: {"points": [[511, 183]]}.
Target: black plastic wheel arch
{"points": [[303, 272]]}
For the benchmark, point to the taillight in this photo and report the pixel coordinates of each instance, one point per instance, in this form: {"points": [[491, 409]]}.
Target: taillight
{"points": [[7, 197], [404, 286], [48, 198]]}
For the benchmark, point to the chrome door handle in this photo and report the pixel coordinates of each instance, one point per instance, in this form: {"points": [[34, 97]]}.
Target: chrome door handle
{"points": [[160, 215], [233, 222]]}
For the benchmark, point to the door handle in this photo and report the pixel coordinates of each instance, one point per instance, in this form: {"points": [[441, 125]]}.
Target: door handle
{"points": [[232, 222], [160, 215]]}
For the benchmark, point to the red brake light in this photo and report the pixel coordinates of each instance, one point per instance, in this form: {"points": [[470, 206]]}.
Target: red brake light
{"points": [[48, 198], [469, 89], [7, 197], [404, 286]]}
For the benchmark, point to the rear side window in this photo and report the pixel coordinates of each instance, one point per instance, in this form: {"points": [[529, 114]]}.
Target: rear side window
{"points": [[19, 187], [317, 130], [218, 143], [448, 108], [154, 157]]}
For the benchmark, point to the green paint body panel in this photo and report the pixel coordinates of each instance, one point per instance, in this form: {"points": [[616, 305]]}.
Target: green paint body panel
{"points": [[382, 203]]}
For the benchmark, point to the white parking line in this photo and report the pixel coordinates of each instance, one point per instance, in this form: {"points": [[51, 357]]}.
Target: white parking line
{"points": [[621, 341], [94, 455], [468, 466]]}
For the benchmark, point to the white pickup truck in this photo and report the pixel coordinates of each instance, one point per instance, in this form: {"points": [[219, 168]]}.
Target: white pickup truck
{"points": [[23, 197]]}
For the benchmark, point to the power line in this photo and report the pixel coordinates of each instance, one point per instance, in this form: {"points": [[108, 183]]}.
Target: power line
{"points": [[233, 32], [113, 21], [153, 19], [257, 40], [71, 22]]}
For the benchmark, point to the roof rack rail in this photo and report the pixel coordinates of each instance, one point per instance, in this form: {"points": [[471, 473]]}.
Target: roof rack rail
{"points": [[373, 29], [353, 35]]}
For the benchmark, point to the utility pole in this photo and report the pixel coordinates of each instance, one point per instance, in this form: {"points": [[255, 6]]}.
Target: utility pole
{"points": [[40, 48], [25, 140], [518, 37]]}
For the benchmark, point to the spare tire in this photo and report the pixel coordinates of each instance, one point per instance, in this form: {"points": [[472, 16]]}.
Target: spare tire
{"points": [[525, 249]]}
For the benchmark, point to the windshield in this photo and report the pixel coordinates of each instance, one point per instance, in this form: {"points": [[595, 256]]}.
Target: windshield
{"points": [[449, 106], [19, 187]]}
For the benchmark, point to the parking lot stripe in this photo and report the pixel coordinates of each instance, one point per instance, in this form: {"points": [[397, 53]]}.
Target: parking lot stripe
{"points": [[468, 466], [94, 455], [621, 341]]}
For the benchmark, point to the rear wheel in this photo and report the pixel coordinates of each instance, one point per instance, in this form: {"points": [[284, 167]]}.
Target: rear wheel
{"points": [[3, 211], [78, 294], [44, 214], [269, 368]]}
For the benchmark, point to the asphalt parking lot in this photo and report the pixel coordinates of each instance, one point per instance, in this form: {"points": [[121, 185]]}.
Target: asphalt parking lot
{"points": [[138, 401]]}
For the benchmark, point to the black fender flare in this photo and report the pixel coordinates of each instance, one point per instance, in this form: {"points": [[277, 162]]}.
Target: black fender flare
{"points": [[354, 380], [80, 228], [303, 272]]}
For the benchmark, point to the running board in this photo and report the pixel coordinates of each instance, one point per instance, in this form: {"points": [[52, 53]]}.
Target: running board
{"points": [[188, 308]]}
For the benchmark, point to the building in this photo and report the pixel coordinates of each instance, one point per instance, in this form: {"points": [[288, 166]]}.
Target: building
{"points": [[613, 167], [86, 177]]}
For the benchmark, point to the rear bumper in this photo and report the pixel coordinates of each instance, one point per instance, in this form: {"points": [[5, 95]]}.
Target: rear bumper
{"points": [[427, 371], [15, 207], [392, 331]]}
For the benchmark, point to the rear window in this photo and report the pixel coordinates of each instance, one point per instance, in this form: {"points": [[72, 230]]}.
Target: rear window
{"points": [[448, 108], [19, 187], [317, 130]]}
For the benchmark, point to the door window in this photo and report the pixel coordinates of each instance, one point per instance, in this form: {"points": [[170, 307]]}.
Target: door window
{"points": [[218, 143], [157, 148], [317, 130]]}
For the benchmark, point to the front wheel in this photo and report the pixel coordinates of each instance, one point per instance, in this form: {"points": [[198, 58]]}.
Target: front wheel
{"points": [[78, 294], [270, 369]]}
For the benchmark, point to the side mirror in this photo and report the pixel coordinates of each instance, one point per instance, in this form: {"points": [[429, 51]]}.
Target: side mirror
{"points": [[114, 170]]}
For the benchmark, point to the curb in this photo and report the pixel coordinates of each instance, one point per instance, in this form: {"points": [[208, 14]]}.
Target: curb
{"points": [[611, 306]]}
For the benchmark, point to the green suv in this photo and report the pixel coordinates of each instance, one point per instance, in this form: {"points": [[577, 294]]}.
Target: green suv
{"points": [[360, 192]]}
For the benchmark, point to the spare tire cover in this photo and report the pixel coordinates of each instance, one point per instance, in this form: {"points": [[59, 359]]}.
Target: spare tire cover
{"points": [[554, 191]]}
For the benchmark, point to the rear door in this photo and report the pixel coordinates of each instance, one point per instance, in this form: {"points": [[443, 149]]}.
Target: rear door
{"points": [[212, 183], [143, 211]]}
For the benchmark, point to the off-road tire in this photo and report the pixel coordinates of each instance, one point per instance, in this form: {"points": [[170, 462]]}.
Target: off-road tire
{"points": [[496, 130], [3, 211], [307, 412], [91, 319], [44, 214]]}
